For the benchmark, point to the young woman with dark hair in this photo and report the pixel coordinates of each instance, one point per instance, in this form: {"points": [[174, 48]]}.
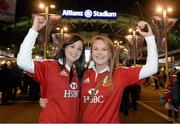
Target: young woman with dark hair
{"points": [[60, 77]]}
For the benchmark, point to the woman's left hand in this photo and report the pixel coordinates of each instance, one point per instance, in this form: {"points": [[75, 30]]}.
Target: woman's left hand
{"points": [[43, 102], [141, 26]]}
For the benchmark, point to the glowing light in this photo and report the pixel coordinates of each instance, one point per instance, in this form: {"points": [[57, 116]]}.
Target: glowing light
{"points": [[65, 28], [169, 9], [52, 6], [159, 9], [57, 28], [41, 6], [115, 41], [130, 30]]}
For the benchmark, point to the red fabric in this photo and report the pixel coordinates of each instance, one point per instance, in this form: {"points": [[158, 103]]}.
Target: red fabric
{"points": [[104, 106], [141, 81], [4, 5], [167, 93], [63, 101]]}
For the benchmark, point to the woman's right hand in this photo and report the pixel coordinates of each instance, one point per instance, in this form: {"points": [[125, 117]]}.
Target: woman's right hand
{"points": [[43, 102], [38, 23]]}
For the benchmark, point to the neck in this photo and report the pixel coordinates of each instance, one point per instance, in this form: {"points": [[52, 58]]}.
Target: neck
{"points": [[99, 68], [69, 65]]}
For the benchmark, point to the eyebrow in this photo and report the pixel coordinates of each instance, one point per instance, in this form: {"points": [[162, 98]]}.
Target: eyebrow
{"points": [[100, 47]]}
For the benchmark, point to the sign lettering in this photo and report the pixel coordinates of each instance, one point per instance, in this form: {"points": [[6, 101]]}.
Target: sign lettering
{"points": [[89, 14]]}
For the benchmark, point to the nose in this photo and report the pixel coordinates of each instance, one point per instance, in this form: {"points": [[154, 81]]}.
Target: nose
{"points": [[99, 52], [75, 51]]}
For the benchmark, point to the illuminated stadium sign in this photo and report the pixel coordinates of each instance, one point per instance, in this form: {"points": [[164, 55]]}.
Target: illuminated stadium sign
{"points": [[89, 14]]}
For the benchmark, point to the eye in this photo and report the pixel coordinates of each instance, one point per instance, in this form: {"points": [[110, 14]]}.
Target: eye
{"points": [[80, 49], [72, 46], [104, 49], [95, 48]]}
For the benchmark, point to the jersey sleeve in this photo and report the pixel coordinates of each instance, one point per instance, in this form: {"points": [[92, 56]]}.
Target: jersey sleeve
{"points": [[129, 76], [40, 71]]}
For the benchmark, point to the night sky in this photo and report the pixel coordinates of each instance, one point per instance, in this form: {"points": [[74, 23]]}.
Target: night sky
{"points": [[25, 7]]}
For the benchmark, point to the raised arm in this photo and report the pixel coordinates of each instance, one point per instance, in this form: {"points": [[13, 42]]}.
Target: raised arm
{"points": [[24, 57], [151, 65]]}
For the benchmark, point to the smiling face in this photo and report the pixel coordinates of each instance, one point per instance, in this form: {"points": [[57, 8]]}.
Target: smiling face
{"points": [[73, 52], [100, 53]]}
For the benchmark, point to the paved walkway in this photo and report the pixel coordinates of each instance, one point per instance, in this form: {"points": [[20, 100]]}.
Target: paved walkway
{"points": [[149, 110]]}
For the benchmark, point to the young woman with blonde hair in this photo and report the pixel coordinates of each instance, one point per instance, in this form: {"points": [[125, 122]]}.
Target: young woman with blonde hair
{"points": [[103, 84]]}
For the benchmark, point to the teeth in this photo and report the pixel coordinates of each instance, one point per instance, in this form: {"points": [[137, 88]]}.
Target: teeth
{"points": [[99, 57]]}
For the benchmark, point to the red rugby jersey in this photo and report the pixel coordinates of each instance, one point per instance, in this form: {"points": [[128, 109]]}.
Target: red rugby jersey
{"points": [[63, 97], [104, 105]]}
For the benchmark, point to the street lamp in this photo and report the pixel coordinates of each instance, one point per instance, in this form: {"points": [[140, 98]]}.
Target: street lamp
{"points": [[61, 33], [164, 12], [46, 12], [134, 43], [119, 47]]}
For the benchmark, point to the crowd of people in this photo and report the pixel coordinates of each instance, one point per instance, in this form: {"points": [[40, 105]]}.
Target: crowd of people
{"points": [[170, 94], [16, 84], [158, 80]]}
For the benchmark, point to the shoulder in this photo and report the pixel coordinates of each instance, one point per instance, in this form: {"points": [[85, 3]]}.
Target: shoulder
{"points": [[127, 68], [127, 72], [46, 61], [89, 70]]}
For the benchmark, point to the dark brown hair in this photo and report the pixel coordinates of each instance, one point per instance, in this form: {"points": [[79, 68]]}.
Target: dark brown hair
{"points": [[79, 64]]}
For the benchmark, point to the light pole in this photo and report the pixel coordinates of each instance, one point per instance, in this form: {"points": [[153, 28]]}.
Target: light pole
{"points": [[46, 31], [134, 43], [61, 33], [164, 16], [46, 13]]}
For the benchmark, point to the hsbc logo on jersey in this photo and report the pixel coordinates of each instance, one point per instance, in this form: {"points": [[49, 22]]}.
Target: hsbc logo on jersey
{"points": [[73, 85], [92, 90], [95, 98], [72, 93]]}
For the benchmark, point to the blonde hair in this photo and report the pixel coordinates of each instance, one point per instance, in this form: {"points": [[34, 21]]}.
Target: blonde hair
{"points": [[108, 42]]}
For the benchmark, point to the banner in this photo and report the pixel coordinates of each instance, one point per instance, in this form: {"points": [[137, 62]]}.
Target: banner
{"points": [[135, 46], [159, 28], [7, 10], [53, 20]]}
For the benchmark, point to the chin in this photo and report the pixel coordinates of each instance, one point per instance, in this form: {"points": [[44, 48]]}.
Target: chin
{"points": [[100, 63]]}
